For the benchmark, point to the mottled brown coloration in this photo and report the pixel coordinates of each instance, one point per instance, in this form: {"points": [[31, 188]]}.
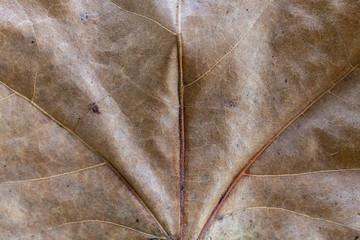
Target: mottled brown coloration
{"points": [[179, 119]]}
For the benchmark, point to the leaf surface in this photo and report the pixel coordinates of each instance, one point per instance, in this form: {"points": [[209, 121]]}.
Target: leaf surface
{"points": [[179, 119]]}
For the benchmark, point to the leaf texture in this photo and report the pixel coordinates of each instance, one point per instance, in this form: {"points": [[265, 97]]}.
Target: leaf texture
{"points": [[189, 119]]}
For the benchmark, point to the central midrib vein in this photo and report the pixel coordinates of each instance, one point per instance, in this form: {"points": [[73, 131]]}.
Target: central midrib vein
{"points": [[181, 126]]}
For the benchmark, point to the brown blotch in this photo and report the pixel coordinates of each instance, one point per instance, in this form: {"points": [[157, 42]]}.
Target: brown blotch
{"points": [[94, 107]]}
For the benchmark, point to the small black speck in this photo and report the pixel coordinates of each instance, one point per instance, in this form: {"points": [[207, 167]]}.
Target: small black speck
{"points": [[182, 188], [285, 81], [32, 42], [272, 56], [85, 18], [137, 220], [4, 165], [94, 107], [356, 238], [221, 198], [67, 185], [278, 153], [229, 104], [221, 218], [227, 11]]}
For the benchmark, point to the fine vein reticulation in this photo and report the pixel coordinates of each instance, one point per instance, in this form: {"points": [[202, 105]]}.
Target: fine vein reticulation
{"points": [[137, 14], [232, 49], [251, 161], [181, 88], [109, 164]]}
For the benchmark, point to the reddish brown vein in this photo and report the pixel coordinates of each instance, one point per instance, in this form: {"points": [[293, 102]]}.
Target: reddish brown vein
{"points": [[181, 127], [253, 159]]}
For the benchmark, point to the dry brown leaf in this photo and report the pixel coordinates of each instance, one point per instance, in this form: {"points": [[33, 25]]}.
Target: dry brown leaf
{"points": [[165, 119]]}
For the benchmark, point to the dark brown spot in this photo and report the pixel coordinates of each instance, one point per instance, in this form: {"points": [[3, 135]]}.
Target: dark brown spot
{"points": [[85, 18], [94, 107], [137, 220], [221, 198], [229, 104], [285, 81], [67, 185]]}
